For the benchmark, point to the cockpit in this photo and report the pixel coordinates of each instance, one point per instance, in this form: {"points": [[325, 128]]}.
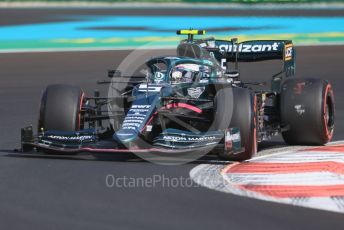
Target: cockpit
{"points": [[189, 72], [192, 63], [179, 70]]}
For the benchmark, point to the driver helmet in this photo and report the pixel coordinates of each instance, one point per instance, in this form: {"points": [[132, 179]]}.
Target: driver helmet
{"points": [[184, 73]]}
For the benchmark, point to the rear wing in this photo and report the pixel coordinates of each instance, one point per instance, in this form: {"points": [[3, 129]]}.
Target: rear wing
{"points": [[252, 51], [256, 50], [231, 51]]}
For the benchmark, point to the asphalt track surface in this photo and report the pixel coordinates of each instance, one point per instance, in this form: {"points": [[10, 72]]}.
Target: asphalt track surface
{"points": [[64, 193]]}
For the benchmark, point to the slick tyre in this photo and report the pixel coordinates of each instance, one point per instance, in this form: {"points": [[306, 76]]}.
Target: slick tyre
{"points": [[60, 108], [243, 117], [307, 111]]}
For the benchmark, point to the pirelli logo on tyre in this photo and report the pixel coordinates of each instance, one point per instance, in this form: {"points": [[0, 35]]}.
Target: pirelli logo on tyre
{"points": [[288, 52]]}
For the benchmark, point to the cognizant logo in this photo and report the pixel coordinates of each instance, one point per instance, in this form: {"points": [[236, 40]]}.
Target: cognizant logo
{"points": [[246, 48]]}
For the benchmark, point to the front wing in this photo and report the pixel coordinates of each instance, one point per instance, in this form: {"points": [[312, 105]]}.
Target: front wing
{"points": [[86, 142]]}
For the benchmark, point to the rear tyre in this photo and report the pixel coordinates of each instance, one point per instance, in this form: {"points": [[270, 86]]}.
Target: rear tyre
{"points": [[307, 111], [60, 108], [243, 117]]}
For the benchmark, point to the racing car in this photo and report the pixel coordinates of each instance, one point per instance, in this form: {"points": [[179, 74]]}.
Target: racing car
{"points": [[191, 103]]}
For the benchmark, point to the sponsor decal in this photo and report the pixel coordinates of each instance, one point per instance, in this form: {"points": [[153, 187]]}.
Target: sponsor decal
{"points": [[247, 48], [196, 92], [174, 138], [140, 106], [232, 139], [159, 77], [300, 109], [70, 138], [228, 140], [135, 117], [204, 138], [149, 88], [188, 138], [131, 124], [288, 52]]}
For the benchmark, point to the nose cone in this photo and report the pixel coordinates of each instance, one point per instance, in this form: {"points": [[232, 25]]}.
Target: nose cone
{"points": [[125, 135]]}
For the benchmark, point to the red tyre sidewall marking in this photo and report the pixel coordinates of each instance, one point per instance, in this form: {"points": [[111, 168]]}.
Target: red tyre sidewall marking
{"points": [[328, 133], [80, 106]]}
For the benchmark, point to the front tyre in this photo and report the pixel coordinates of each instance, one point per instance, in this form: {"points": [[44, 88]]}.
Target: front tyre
{"points": [[60, 108], [307, 111], [241, 114]]}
